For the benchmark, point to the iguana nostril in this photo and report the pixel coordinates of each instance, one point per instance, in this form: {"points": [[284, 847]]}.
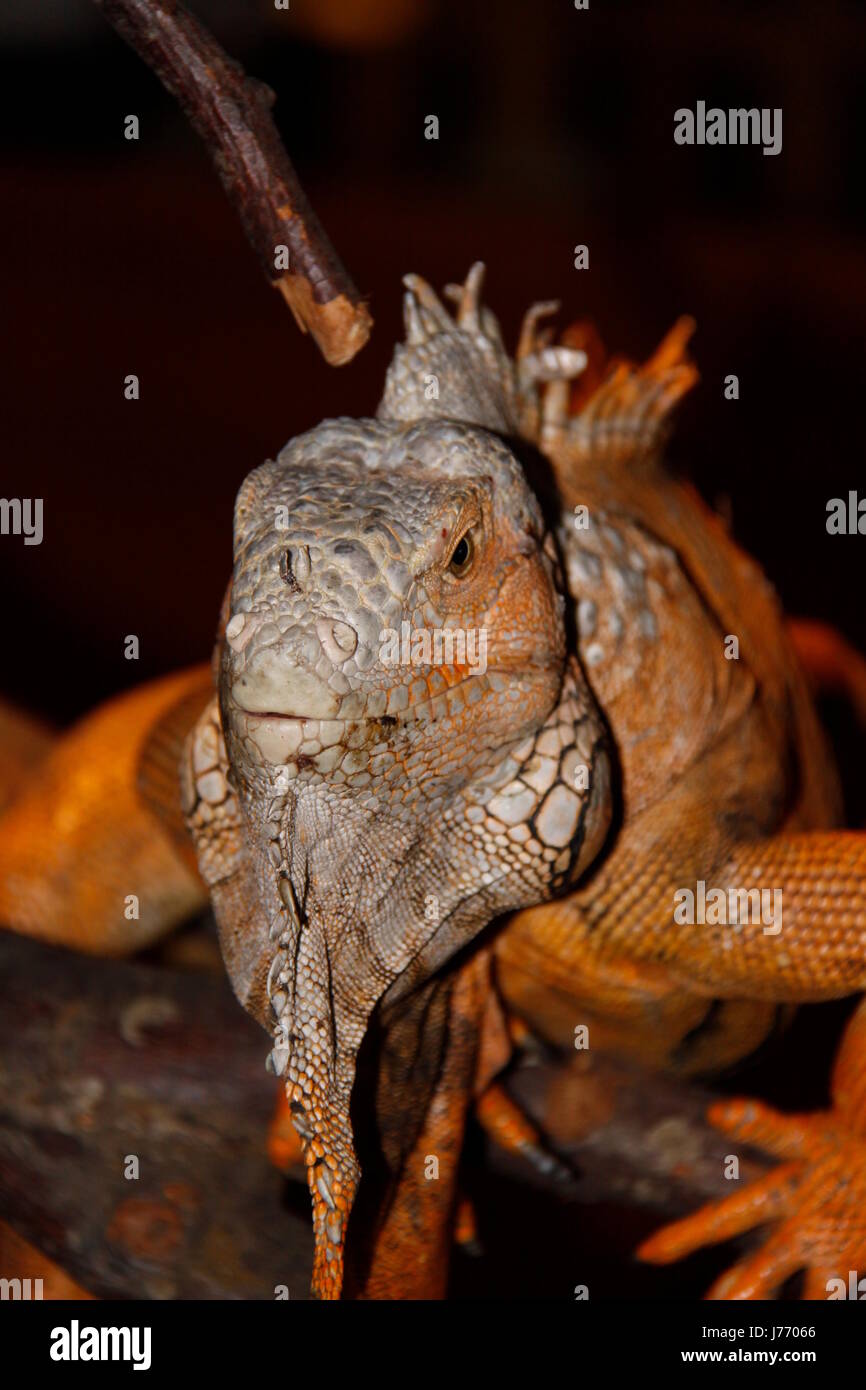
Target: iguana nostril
{"points": [[295, 567], [239, 629], [338, 639]]}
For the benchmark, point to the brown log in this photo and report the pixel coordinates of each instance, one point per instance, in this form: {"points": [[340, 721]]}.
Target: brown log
{"points": [[232, 114], [103, 1060], [100, 1060]]}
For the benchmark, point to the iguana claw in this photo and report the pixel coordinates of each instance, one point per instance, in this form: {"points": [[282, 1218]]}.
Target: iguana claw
{"points": [[816, 1201]]}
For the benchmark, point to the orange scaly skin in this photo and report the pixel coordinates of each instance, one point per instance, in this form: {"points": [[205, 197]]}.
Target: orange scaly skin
{"points": [[719, 773]]}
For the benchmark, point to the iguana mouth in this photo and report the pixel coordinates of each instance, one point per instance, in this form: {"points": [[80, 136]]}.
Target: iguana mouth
{"points": [[434, 705], [267, 714]]}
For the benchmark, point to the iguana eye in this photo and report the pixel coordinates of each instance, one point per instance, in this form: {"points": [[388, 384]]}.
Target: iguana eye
{"points": [[461, 556]]}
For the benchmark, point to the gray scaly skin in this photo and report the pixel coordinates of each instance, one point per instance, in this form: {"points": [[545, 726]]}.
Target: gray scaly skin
{"points": [[359, 821]]}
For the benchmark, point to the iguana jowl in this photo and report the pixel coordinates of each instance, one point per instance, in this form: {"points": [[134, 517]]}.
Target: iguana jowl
{"points": [[359, 823]]}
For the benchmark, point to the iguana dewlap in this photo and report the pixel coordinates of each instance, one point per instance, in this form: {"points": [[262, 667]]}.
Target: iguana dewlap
{"points": [[364, 805]]}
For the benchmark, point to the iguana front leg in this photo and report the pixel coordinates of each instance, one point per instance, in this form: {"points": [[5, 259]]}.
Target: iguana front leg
{"points": [[816, 1200], [807, 939], [431, 1056]]}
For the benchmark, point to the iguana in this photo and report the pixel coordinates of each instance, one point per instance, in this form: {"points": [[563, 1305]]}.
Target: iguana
{"points": [[367, 813]]}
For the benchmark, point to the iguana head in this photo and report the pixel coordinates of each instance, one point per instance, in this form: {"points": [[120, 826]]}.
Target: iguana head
{"points": [[412, 750]]}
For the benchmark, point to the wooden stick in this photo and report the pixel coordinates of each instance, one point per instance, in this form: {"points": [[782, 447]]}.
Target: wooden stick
{"points": [[232, 114]]}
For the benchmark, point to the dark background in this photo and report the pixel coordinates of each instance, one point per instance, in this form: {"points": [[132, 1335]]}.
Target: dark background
{"points": [[556, 127]]}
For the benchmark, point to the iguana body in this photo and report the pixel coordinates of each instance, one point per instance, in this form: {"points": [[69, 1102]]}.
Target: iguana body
{"points": [[359, 821]]}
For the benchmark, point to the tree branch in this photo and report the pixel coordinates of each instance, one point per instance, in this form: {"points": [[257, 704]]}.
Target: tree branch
{"points": [[103, 1058], [231, 113]]}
